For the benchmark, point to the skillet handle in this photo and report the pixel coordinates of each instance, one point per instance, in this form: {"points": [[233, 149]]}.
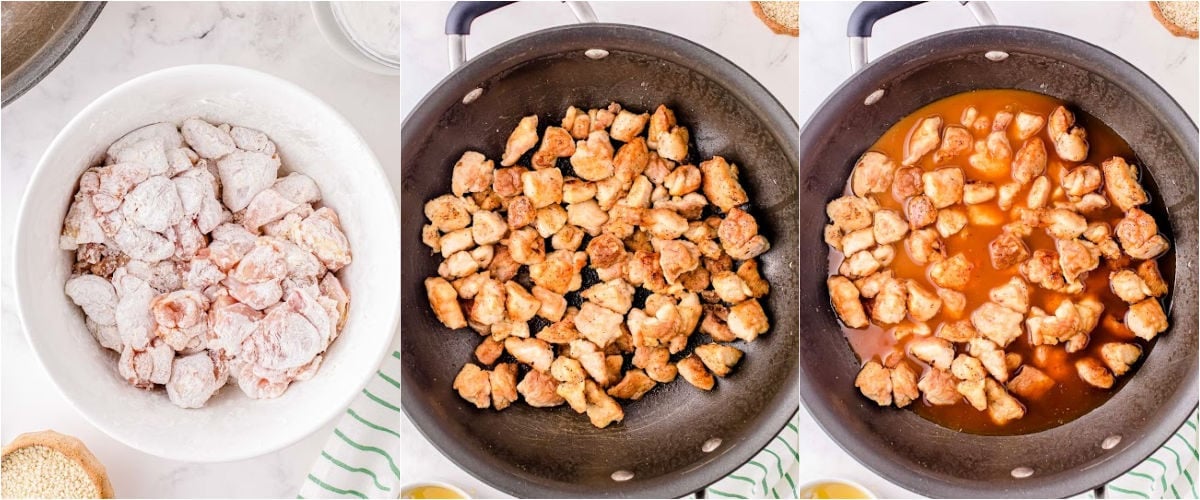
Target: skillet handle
{"points": [[462, 14], [864, 17]]}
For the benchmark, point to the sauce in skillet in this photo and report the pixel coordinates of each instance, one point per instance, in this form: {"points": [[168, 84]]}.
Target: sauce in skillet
{"points": [[1071, 397]]}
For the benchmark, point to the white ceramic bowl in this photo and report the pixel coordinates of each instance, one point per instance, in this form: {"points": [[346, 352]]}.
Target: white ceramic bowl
{"points": [[312, 139]]}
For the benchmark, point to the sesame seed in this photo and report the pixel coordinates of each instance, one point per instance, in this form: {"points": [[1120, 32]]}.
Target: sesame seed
{"points": [[42, 472]]}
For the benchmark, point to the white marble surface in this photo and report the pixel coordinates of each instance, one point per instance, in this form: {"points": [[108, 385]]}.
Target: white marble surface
{"points": [[729, 28], [1126, 29], [128, 40]]}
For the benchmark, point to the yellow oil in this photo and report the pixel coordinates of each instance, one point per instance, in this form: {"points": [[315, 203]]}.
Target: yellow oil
{"points": [[833, 489], [431, 491]]}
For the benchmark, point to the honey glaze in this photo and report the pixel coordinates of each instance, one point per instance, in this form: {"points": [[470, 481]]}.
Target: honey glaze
{"points": [[1071, 397]]}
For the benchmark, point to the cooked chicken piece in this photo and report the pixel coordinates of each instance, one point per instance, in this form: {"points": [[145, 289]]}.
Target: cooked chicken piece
{"points": [[577, 191], [872, 174], [1031, 383], [443, 299], [1120, 356], [845, 298], [665, 224], [870, 286], [739, 236], [534, 352], [998, 323], [1121, 184], [720, 359], [1039, 192], [924, 247], [673, 144], [550, 220], [628, 125], [891, 303], [1094, 373], [993, 360], [953, 303], [662, 121], [906, 183], [569, 238], [506, 182], [504, 385], [1052, 330], [1030, 161], [577, 122], [522, 139], [944, 186], [683, 180], [1128, 286], [486, 228], [526, 246], [1146, 319], [974, 391], [692, 370], [953, 273], [856, 241], [1076, 258], [1082, 180], [1028, 124], [1063, 224], [1043, 269], [950, 221], [540, 389], [747, 320], [749, 272], [920, 211], [474, 385], [938, 352], [924, 139], [489, 351], [598, 324], [676, 258], [472, 174], [1148, 271], [904, 385], [957, 331], [556, 143], [521, 212], [635, 385], [593, 158], [923, 304], [543, 187], [1001, 406], [938, 387], [602, 409], [978, 192], [456, 241], [565, 369], [1138, 234], [889, 227], [968, 368], [522, 306], [1070, 140], [730, 287], [1007, 250], [955, 141], [850, 213], [992, 156], [720, 184], [587, 215], [875, 382], [1014, 295]]}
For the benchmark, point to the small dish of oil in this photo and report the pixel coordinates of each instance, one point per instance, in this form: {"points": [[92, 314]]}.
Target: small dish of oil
{"points": [[834, 489], [432, 490]]}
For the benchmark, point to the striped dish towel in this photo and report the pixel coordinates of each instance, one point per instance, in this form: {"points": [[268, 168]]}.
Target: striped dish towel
{"points": [[357, 461], [1171, 472], [770, 474]]}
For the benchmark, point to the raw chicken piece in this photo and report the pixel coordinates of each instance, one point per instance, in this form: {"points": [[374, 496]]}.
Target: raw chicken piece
{"points": [[872, 174], [195, 378], [243, 174], [145, 367], [206, 140], [82, 225], [132, 313], [875, 382], [164, 136], [96, 296], [229, 324], [474, 385], [321, 233], [154, 204], [522, 139], [248, 139], [182, 319]]}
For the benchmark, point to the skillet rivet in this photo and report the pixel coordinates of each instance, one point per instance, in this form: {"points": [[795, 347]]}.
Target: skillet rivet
{"points": [[622, 476], [596, 53], [1110, 442], [996, 55], [874, 97], [710, 445], [1022, 472], [472, 95]]}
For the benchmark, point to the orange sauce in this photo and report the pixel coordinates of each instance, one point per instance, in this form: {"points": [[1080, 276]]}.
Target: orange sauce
{"points": [[1071, 397]]}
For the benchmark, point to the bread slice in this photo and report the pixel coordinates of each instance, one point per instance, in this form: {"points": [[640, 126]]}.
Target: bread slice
{"points": [[47, 464], [1180, 18], [782, 17]]}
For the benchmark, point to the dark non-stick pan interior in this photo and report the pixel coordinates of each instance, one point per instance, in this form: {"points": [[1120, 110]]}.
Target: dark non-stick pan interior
{"points": [[556, 452], [923, 456]]}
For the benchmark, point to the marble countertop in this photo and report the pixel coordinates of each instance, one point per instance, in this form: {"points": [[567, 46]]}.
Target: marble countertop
{"points": [[1124, 28], [729, 28], [128, 40]]}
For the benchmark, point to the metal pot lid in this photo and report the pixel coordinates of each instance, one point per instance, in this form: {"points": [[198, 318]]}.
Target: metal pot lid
{"points": [[37, 36]]}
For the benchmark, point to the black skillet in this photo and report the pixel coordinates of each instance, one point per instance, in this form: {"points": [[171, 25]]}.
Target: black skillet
{"points": [[532, 452], [1099, 446]]}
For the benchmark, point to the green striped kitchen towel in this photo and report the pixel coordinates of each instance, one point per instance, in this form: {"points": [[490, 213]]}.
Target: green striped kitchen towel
{"points": [[1171, 472], [359, 459]]}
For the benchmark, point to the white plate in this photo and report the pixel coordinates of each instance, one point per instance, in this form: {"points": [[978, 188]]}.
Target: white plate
{"points": [[312, 139]]}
